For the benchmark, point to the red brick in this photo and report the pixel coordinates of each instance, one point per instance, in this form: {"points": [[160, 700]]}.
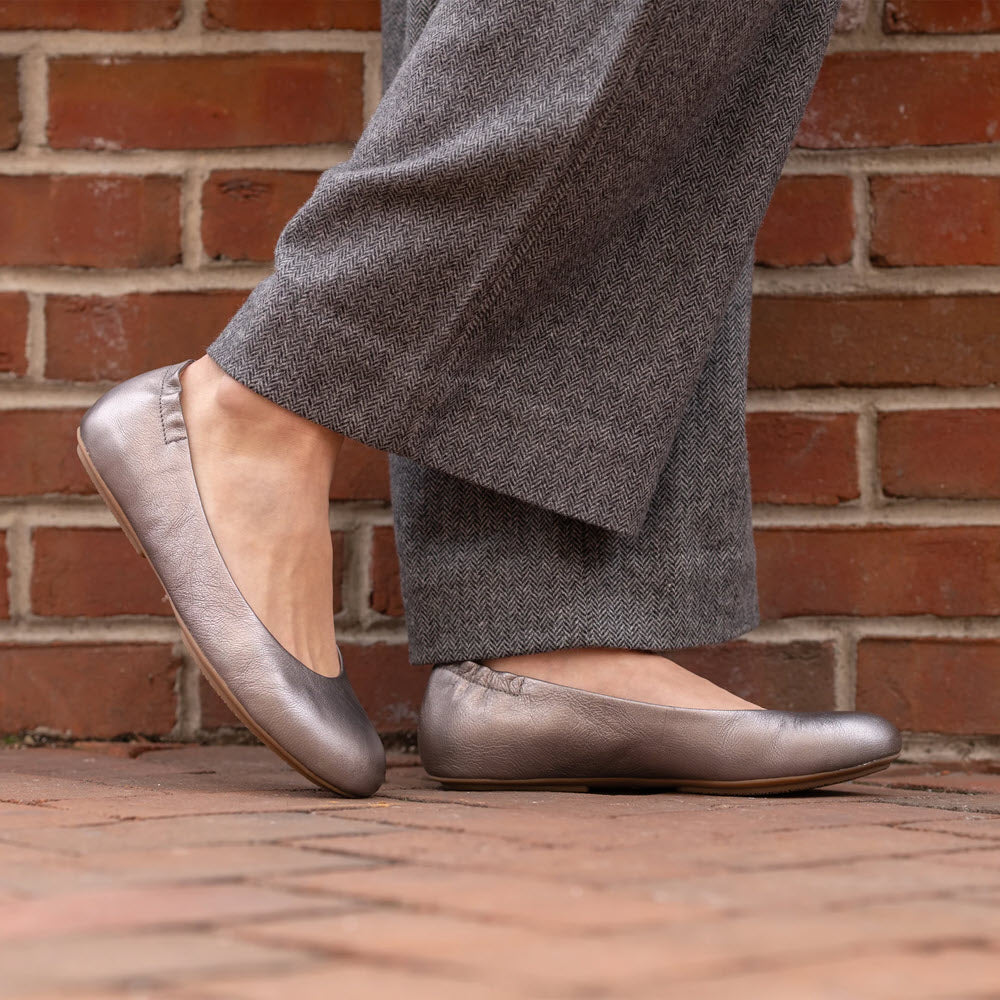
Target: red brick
{"points": [[940, 453], [947, 340], [932, 685], [13, 332], [206, 102], [96, 337], [879, 571], [40, 453], [244, 211], [89, 690], [941, 16], [337, 537], [214, 712], [362, 473], [851, 15], [793, 676], [90, 221], [389, 687], [810, 221], [291, 15], [91, 572], [4, 577], [102, 15], [803, 457], [867, 99], [927, 221], [386, 596], [10, 108]]}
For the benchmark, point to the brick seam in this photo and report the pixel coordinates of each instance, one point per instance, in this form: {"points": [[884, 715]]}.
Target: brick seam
{"points": [[34, 346], [176, 42], [25, 393], [842, 281], [20, 560]]}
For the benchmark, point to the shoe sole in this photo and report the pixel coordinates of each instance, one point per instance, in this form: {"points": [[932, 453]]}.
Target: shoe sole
{"points": [[755, 786], [217, 683]]}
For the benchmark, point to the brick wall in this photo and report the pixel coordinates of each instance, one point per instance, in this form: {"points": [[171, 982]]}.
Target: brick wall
{"points": [[150, 153]]}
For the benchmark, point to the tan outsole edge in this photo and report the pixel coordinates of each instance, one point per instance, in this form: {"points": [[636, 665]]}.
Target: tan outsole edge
{"points": [[760, 786], [217, 683]]}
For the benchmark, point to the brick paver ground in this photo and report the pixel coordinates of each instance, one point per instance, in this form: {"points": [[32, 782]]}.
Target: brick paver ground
{"points": [[209, 873]]}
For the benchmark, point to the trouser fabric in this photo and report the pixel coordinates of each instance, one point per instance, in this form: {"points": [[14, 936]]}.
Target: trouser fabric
{"points": [[530, 283]]}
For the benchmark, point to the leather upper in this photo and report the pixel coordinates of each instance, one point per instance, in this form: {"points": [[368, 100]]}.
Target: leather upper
{"points": [[480, 723], [136, 437]]}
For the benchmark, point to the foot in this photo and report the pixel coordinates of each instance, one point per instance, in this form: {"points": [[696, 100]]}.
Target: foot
{"points": [[264, 475], [623, 674]]}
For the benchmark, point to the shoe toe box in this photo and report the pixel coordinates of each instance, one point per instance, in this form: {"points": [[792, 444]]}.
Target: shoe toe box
{"points": [[867, 737]]}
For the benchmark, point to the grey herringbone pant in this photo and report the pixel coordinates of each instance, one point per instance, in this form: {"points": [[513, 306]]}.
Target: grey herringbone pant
{"points": [[530, 283]]}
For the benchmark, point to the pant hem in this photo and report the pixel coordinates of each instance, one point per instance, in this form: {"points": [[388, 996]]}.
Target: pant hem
{"points": [[644, 639]]}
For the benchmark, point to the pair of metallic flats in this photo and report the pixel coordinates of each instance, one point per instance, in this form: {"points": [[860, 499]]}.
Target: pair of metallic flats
{"points": [[478, 727]]}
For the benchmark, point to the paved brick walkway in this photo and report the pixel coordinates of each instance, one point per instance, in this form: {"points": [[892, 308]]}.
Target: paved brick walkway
{"points": [[206, 873]]}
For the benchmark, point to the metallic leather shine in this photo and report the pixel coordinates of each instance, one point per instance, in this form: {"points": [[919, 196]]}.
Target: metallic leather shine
{"points": [[136, 438], [481, 724]]}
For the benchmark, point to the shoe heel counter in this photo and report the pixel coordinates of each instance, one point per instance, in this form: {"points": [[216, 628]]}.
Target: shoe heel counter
{"points": [[109, 419], [443, 726], [127, 411], [431, 728]]}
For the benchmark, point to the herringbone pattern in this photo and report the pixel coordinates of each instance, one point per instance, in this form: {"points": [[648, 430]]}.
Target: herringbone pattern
{"points": [[521, 279]]}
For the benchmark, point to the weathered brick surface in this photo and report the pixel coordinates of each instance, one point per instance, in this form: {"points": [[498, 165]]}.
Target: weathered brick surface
{"points": [[10, 114], [803, 457], [386, 597], [290, 15], [903, 99], [39, 453], [97, 337], [88, 689], [4, 577], [244, 211], [940, 453], [943, 221], [13, 332], [794, 676], [943, 571], [214, 711], [113, 862], [211, 101], [810, 221], [943, 340], [90, 221], [941, 16], [92, 15], [93, 572], [932, 685], [337, 538], [387, 684], [851, 15], [362, 473]]}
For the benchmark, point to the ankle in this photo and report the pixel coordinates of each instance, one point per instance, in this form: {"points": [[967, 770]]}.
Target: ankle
{"points": [[236, 415]]}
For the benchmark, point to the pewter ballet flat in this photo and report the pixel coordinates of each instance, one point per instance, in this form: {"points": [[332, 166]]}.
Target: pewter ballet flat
{"points": [[481, 727], [133, 444]]}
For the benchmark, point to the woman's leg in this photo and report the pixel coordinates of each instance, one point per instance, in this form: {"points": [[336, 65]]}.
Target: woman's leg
{"points": [[500, 146], [488, 577], [532, 592], [530, 283], [264, 474], [517, 277]]}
